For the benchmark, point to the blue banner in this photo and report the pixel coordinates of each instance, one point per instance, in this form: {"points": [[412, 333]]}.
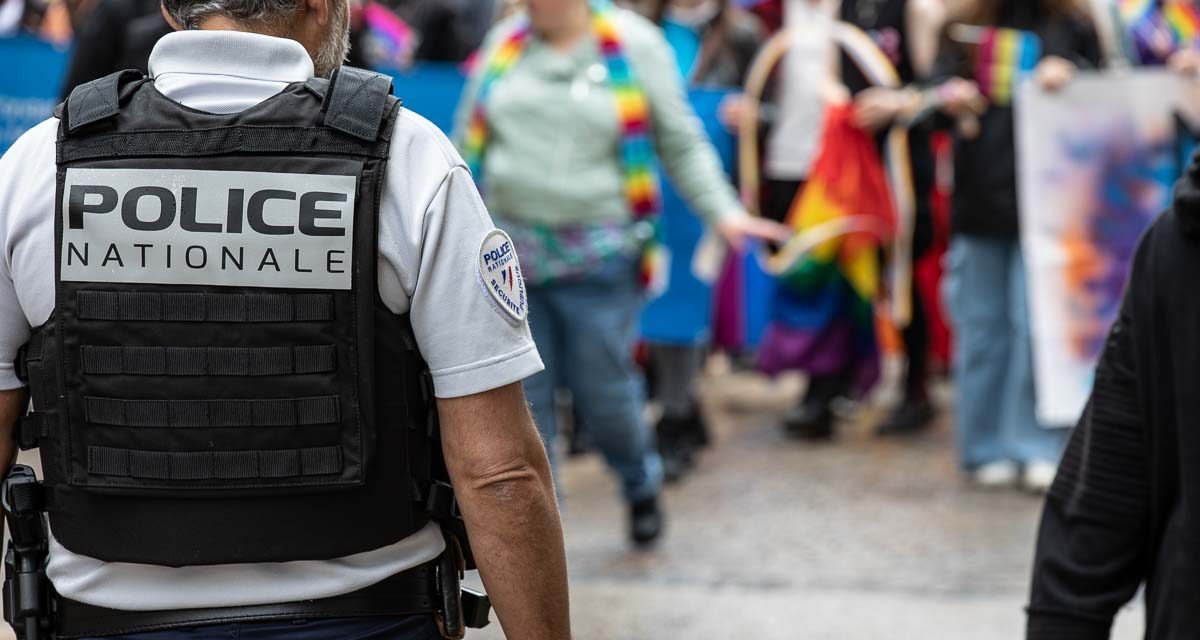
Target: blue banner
{"points": [[29, 86]]}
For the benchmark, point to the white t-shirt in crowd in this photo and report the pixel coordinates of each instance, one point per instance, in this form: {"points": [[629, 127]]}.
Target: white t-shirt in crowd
{"points": [[792, 143], [432, 225]]}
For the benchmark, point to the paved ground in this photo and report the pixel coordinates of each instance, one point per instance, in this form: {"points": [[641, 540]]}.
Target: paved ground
{"points": [[774, 540], [778, 540]]}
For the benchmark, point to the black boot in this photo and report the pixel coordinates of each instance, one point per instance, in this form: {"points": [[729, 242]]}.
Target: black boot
{"points": [[696, 428], [645, 521], [810, 421], [674, 447], [911, 416]]}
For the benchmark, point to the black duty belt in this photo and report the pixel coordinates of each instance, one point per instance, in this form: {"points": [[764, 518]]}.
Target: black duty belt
{"points": [[413, 592]]}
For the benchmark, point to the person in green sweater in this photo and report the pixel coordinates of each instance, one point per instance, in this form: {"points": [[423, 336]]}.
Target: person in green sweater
{"points": [[562, 122]]}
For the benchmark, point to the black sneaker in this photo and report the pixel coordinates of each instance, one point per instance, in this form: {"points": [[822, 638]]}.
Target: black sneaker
{"points": [[908, 418], [674, 447], [696, 429], [645, 521], [809, 421]]}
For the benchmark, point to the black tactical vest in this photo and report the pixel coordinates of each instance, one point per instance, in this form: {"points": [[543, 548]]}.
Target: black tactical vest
{"points": [[219, 381]]}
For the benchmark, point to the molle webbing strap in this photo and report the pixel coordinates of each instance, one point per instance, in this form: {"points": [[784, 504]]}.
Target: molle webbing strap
{"points": [[205, 307], [297, 412], [97, 100], [214, 465], [217, 142], [356, 102], [209, 361]]}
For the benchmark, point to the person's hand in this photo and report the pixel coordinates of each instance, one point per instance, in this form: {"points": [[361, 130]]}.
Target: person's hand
{"points": [[876, 107], [732, 110], [736, 227], [1185, 62], [1053, 73], [961, 98]]}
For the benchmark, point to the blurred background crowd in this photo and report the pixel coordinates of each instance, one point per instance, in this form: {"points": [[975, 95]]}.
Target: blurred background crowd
{"points": [[960, 185]]}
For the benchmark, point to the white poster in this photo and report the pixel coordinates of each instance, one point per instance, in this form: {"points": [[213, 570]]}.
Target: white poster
{"points": [[1096, 162]]}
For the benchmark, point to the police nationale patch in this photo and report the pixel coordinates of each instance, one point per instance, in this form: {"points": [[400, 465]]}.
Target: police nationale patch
{"points": [[500, 275], [197, 227]]}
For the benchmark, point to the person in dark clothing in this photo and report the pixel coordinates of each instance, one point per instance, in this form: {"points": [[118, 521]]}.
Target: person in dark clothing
{"points": [[450, 30], [999, 438], [116, 35], [1121, 512]]}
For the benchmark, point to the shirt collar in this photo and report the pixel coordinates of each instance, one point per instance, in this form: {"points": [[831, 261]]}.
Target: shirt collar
{"points": [[239, 54]]}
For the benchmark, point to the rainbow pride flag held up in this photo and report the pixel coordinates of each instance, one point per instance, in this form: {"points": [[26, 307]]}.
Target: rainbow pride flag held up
{"points": [[822, 314], [389, 42], [1158, 28], [1005, 57]]}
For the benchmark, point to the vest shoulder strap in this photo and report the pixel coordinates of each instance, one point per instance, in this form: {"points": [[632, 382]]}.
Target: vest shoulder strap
{"points": [[357, 102], [97, 100]]}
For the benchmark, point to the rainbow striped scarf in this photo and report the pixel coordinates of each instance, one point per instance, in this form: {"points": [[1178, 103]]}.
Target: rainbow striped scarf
{"points": [[636, 149], [1005, 57]]}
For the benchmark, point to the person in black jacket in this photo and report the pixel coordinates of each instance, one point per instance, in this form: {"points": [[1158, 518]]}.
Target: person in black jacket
{"points": [[1122, 510], [116, 35], [999, 438]]}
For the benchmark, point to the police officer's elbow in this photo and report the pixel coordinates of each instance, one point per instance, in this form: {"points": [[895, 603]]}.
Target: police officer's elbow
{"points": [[513, 479]]}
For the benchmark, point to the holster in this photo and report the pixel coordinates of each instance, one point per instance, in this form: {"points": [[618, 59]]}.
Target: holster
{"points": [[27, 593]]}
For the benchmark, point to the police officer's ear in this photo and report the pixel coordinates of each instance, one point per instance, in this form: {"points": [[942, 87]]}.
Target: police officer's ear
{"points": [[320, 11], [167, 16]]}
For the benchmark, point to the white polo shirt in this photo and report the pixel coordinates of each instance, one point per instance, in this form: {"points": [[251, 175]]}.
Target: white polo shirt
{"points": [[432, 227]]}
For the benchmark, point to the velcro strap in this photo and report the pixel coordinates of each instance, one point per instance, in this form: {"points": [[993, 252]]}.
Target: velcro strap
{"points": [[96, 100], [357, 101], [208, 361], [31, 428], [214, 465], [204, 307], [290, 412]]}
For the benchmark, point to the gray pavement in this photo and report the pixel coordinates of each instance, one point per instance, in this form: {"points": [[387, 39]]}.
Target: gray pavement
{"points": [[773, 539], [777, 540]]}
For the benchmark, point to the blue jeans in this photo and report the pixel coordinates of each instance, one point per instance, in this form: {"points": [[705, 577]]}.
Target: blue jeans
{"points": [[993, 360], [365, 628], [585, 332]]}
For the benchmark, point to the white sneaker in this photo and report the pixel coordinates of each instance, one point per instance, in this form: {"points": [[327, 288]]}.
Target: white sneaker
{"points": [[1000, 474], [1038, 476]]}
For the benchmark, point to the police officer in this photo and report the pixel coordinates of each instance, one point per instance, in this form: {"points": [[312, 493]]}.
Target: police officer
{"points": [[265, 322]]}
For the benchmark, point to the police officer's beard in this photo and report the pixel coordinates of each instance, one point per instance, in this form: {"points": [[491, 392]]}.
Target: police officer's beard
{"points": [[333, 51]]}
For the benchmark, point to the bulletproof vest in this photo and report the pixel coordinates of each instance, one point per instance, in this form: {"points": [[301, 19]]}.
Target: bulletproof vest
{"points": [[220, 381]]}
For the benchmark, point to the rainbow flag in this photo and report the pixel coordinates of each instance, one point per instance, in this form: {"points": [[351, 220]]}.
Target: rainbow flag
{"points": [[1158, 28], [1005, 57], [389, 42], [822, 315]]}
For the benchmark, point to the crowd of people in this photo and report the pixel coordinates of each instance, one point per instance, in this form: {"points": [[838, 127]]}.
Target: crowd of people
{"points": [[584, 209]]}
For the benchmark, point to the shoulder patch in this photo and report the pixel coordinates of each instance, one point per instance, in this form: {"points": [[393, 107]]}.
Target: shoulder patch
{"points": [[500, 276]]}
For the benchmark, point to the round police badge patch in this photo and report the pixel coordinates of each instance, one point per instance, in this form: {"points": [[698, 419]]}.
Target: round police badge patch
{"points": [[500, 275]]}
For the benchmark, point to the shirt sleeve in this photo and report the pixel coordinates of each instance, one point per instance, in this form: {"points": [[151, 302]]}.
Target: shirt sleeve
{"points": [[432, 233], [1090, 560], [26, 191], [685, 152]]}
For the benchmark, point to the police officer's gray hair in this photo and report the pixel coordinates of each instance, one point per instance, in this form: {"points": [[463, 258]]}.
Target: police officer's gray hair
{"points": [[190, 13]]}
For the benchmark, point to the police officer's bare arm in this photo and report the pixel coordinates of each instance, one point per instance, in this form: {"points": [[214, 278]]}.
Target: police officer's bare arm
{"points": [[503, 483], [12, 406]]}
